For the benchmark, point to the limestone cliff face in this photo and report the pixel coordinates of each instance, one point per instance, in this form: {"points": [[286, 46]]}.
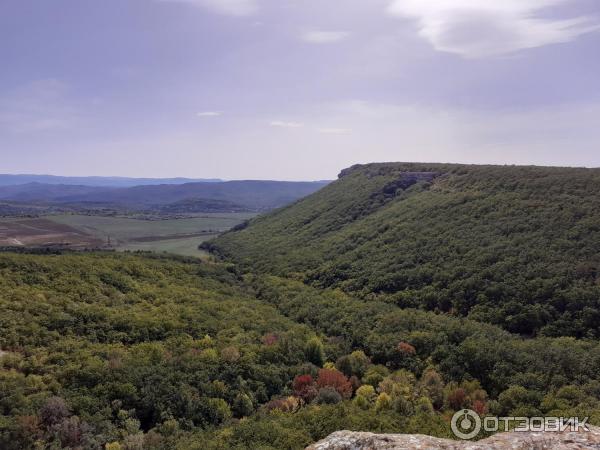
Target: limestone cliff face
{"points": [[347, 440]]}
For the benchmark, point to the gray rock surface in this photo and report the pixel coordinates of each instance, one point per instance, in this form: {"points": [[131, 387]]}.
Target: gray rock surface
{"points": [[348, 440]]}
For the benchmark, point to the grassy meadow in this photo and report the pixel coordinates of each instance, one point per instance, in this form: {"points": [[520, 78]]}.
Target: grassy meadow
{"points": [[178, 236], [179, 246]]}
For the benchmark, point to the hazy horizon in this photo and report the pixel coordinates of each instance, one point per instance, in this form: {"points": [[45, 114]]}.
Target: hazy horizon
{"points": [[157, 178], [309, 180], [287, 90]]}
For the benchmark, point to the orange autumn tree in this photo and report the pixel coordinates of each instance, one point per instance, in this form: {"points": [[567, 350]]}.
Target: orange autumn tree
{"points": [[335, 379]]}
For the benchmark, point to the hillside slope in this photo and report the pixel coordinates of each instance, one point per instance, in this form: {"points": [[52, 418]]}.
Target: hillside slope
{"points": [[254, 195], [514, 246], [115, 351], [206, 196], [44, 192]]}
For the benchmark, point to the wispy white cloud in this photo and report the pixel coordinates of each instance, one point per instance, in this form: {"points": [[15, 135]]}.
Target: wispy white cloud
{"points": [[227, 7], [283, 124], [481, 28], [324, 37], [209, 114]]}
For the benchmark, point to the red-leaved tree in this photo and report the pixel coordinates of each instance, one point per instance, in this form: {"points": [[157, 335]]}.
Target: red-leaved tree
{"points": [[479, 407], [456, 398], [270, 339], [335, 379], [304, 387], [406, 349]]}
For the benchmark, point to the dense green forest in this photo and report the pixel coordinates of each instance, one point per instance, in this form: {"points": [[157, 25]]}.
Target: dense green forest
{"points": [[518, 247], [385, 302], [115, 351]]}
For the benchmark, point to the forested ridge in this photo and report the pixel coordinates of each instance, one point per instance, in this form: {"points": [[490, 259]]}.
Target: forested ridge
{"points": [[384, 302], [514, 246]]}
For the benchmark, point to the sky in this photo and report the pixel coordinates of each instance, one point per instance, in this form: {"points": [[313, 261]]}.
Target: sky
{"points": [[295, 90]]}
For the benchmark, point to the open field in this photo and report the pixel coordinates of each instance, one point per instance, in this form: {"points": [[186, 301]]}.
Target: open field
{"points": [[179, 236], [181, 246], [121, 229], [44, 232]]}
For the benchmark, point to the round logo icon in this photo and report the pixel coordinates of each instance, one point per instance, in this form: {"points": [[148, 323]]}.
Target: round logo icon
{"points": [[466, 424]]}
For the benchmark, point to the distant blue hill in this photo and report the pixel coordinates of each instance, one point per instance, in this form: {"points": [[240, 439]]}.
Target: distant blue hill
{"points": [[123, 182], [231, 196]]}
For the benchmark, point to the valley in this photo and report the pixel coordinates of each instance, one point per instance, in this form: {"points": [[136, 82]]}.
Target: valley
{"points": [[299, 225], [169, 215], [162, 234], [387, 301]]}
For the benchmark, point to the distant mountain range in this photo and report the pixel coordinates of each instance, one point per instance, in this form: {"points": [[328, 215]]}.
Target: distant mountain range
{"points": [[213, 196], [12, 180], [38, 192]]}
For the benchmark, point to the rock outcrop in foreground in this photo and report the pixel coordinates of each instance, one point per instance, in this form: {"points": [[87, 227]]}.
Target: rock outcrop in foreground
{"points": [[348, 440]]}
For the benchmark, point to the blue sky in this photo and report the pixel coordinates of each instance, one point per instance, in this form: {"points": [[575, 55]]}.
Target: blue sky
{"points": [[279, 89]]}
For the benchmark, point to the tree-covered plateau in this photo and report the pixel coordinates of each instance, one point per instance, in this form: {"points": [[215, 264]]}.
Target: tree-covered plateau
{"points": [[517, 247]]}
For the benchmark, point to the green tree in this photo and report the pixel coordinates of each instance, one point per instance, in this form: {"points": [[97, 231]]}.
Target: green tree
{"points": [[314, 352]]}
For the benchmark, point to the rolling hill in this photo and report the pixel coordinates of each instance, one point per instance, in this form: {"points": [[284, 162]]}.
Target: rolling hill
{"points": [[254, 196], [39, 192], [514, 246], [13, 180]]}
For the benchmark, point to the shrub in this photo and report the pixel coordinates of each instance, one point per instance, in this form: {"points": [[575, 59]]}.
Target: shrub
{"points": [[405, 349], [328, 396], [314, 352], [270, 339], [375, 375], [383, 402], [113, 446], [242, 405], [433, 385], [365, 395], [335, 379], [287, 404], [355, 364], [456, 398], [424, 405], [230, 354], [367, 391], [53, 411], [304, 387], [403, 406]]}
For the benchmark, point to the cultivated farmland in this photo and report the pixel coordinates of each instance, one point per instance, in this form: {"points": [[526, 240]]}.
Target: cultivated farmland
{"points": [[43, 232], [180, 236]]}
